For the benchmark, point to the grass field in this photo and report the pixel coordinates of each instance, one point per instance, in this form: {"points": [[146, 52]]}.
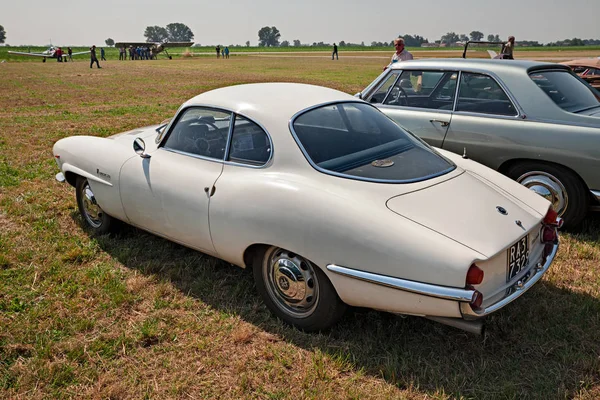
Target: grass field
{"points": [[135, 316], [543, 53]]}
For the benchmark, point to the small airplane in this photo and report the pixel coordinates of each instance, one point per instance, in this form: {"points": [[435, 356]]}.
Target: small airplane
{"points": [[155, 47], [51, 52]]}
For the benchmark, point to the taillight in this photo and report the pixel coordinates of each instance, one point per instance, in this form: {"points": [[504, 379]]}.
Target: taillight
{"points": [[549, 234], [551, 216], [476, 300], [474, 275]]}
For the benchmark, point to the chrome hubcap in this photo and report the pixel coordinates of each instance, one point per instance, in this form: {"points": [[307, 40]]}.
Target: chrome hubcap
{"points": [[92, 211], [291, 282], [547, 186]]}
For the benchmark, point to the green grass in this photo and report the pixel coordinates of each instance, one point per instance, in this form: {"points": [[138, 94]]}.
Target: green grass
{"points": [[135, 316]]}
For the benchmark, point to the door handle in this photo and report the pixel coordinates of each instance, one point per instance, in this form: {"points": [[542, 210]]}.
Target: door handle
{"points": [[211, 190], [443, 123]]}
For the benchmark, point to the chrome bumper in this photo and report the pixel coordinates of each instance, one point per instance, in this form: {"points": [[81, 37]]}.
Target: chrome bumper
{"points": [[596, 194], [464, 296], [60, 177]]}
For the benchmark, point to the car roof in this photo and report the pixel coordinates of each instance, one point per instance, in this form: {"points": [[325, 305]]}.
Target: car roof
{"points": [[268, 100], [496, 66]]}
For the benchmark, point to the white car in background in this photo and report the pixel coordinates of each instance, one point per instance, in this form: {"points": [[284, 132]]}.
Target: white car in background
{"points": [[327, 199]]}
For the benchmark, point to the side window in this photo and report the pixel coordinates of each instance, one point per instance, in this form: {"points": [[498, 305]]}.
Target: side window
{"points": [[424, 89], [249, 143], [480, 93], [200, 131], [383, 90]]}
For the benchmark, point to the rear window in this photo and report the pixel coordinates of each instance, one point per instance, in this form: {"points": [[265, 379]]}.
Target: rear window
{"points": [[357, 140], [568, 92]]}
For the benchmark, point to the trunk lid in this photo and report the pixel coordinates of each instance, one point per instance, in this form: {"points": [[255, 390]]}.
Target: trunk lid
{"points": [[470, 211]]}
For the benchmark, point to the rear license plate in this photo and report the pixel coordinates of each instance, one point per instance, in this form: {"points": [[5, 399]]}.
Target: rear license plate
{"points": [[518, 257]]}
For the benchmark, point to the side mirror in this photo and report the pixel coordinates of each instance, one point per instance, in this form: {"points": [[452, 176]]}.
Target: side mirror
{"points": [[359, 95], [139, 146]]}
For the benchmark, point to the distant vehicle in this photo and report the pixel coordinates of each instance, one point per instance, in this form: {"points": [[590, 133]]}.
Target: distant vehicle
{"points": [[328, 200], [49, 53], [587, 69], [155, 47], [491, 53], [536, 122]]}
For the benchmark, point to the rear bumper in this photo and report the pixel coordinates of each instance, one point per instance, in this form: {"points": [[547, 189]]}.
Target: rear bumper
{"points": [[516, 291], [462, 296]]}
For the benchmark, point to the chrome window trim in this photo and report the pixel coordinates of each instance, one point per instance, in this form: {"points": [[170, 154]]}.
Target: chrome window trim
{"points": [[174, 121], [358, 178], [426, 289], [460, 69], [430, 110], [391, 87], [236, 163], [373, 86], [530, 71], [520, 114]]}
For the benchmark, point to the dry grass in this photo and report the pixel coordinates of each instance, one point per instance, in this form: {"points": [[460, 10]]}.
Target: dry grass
{"points": [[134, 316]]}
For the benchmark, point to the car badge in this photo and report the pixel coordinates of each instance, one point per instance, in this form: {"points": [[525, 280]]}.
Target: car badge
{"points": [[502, 210], [519, 223], [382, 163]]}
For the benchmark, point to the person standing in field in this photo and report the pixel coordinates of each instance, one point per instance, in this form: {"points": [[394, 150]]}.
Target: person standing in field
{"points": [[507, 49], [335, 52], [226, 52], [93, 57], [401, 53], [59, 54], [102, 54], [218, 50]]}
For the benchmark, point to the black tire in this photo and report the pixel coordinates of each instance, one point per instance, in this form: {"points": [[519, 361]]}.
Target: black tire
{"points": [[93, 216], [577, 197], [316, 314]]}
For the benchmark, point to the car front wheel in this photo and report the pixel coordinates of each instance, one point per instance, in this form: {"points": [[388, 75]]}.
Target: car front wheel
{"points": [[93, 216], [560, 186], [296, 290]]}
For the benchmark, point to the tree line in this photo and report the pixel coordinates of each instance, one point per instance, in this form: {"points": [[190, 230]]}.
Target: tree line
{"points": [[269, 37]]}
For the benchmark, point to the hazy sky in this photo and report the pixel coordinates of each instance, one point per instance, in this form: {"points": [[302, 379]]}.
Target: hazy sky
{"points": [[84, 22]]}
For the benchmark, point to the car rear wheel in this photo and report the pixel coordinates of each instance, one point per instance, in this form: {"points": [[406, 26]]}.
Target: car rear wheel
{"points": [[296, 290], [560, 186], [93, 216]]}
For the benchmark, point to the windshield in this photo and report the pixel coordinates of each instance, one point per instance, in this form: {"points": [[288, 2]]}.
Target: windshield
{"points": [[568, 92], [357, 140]]}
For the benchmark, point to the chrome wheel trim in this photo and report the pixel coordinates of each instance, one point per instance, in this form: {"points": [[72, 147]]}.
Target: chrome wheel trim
{"points": [[91, 210], [291, 282], [547, 186]]}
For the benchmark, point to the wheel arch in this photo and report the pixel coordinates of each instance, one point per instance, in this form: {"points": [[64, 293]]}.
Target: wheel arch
{"points": [[71, 178], [508, 164]]}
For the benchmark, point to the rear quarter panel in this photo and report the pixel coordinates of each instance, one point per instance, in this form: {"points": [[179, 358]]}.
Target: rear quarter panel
{"points": [[329, 220]]}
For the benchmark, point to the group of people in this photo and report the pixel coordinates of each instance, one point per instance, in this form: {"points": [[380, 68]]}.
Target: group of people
{"points": [[59, 54], [137, 53], [222, 51]]}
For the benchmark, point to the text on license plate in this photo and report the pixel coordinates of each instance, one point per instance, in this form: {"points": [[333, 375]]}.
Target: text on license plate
{"points": [[518, 257]]}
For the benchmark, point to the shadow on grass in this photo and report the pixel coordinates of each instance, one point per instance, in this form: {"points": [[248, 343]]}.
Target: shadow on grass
{"points": [[545, 345]]}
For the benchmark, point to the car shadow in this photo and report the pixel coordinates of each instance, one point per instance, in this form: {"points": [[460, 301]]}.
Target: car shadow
{"points": [[544, 345]]}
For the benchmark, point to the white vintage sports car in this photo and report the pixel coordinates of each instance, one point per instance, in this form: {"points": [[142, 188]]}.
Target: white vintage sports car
{"points": [[327, 199]]}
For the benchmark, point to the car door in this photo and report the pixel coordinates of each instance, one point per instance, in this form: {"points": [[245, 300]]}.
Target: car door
{"points": [[169, 193], [419, 100], [486, 123]]}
